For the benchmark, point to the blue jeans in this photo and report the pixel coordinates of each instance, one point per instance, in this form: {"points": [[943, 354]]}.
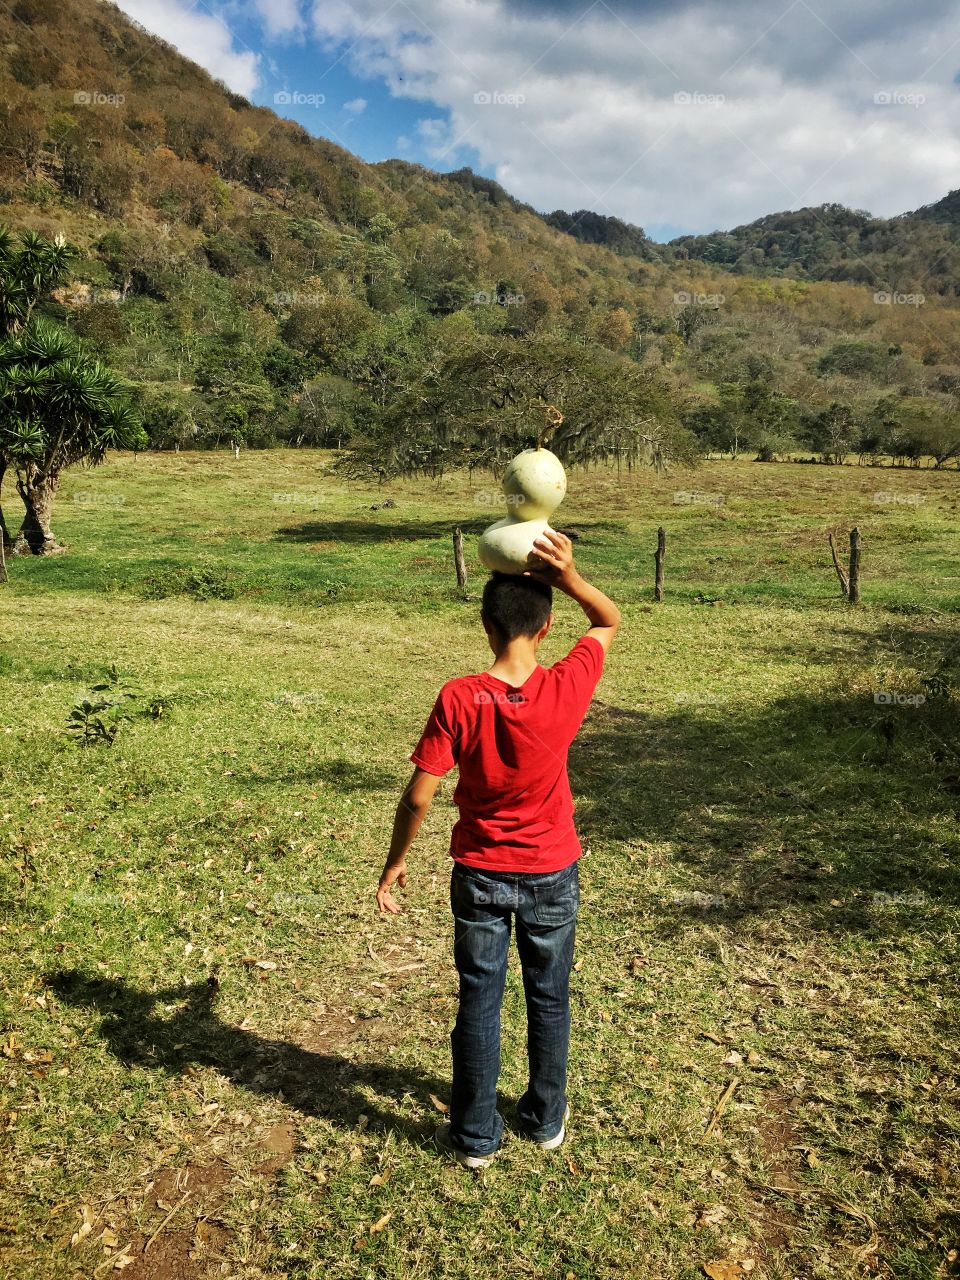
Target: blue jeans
{"points": [[544, 907]]}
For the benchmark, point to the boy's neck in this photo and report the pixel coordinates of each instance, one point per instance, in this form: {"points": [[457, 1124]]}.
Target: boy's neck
{"points": [[516, 661]]}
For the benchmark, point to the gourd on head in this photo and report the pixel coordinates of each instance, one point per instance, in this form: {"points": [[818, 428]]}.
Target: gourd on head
{"points": [[534, 485]]}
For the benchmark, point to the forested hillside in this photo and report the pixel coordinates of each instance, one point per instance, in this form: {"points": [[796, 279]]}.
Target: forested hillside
{"points": [[257, 284], [918, 253]]}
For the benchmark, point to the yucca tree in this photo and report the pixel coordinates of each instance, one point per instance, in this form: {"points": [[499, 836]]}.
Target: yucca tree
{"points": [[58, 406]]}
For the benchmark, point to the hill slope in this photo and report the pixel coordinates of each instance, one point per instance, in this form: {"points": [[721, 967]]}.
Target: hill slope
{"points": [[261, 285]]}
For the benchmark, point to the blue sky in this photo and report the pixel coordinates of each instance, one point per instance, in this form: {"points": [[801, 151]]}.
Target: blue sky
{"points": [[681, 117]]}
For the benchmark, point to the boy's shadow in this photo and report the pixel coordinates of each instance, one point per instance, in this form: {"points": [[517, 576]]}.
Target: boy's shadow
{"points": [[315, 1083]]}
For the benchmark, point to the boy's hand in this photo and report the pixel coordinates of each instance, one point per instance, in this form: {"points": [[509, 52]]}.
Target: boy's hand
{"points": [[393, 873], [552, 559]]}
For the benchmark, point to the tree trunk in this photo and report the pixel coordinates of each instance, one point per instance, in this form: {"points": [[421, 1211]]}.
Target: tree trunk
{"points": [[658, 564], [35, 536], [5, 540]]}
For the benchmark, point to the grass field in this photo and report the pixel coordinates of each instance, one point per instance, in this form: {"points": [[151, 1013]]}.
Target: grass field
{"points": [[218, 1061]]}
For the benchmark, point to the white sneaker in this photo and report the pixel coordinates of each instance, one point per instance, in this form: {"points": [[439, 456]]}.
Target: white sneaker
{"points": [[444, 1143], [551, 1144]]}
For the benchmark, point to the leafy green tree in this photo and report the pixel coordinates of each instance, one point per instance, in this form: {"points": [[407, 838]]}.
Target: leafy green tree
{"points": [[238, 401], [833, 432], [485, 398], [58, 406]]}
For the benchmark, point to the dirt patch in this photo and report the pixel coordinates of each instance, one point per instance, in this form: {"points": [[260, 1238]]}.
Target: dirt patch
{"points": [[204, 1182], [329, 1031], [281, 1141], [168, 1258], [775, 1224], [180, 1237]]}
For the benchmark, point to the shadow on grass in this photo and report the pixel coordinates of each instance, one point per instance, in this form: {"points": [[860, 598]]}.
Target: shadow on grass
{"points": [[316, 1083], [371, 530], [834, 812]]}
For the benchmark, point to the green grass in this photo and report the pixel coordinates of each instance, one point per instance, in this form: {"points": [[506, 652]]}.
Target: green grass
{"points": [[770, 894]]}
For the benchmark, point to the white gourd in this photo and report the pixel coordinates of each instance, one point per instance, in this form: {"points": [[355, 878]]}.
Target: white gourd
{"points": [[534, 485]]}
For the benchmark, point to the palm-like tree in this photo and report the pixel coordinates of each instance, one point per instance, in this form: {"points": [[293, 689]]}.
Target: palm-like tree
{"points": [[58, 406]]}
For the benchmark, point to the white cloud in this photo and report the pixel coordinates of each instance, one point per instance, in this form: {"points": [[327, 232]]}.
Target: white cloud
{"points": [[199, 35], [356, 106], [705, 114], [280, 17]]}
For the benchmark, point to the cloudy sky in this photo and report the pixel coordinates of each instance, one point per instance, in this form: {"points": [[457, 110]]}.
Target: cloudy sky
{"points": [[678, 115]]}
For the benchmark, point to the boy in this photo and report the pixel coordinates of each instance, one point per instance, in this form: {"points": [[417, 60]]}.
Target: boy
{"points": [[514, 847]]}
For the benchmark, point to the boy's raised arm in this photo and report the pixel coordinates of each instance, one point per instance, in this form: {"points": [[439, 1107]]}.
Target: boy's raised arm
{"points": [[555, 553]]}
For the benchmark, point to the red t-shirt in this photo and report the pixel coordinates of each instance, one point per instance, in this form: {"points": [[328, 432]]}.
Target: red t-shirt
{"points": [[513, 793]]}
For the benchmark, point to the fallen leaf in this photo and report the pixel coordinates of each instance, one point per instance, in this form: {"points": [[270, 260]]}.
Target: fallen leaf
{"points": [[86, 1226], [123, 1261], [573, 1166], [724, 1270], [378, 1180], [753, 1057], [380, 1223], [109, 1239], [441, 1106], [733, 1059]]}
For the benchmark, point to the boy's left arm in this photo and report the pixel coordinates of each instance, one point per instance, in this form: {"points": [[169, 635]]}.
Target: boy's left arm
{"points": [[411, 811]]}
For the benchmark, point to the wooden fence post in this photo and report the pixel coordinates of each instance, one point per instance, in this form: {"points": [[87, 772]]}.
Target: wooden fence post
{"points": [[459, 560], [853, 591], [658, 559]]}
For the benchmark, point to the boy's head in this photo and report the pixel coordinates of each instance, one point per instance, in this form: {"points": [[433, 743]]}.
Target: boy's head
{"points": [[515, 606]]}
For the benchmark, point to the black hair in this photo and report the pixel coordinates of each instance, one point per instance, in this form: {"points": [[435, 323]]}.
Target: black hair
{"points": [[516, 606]]}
